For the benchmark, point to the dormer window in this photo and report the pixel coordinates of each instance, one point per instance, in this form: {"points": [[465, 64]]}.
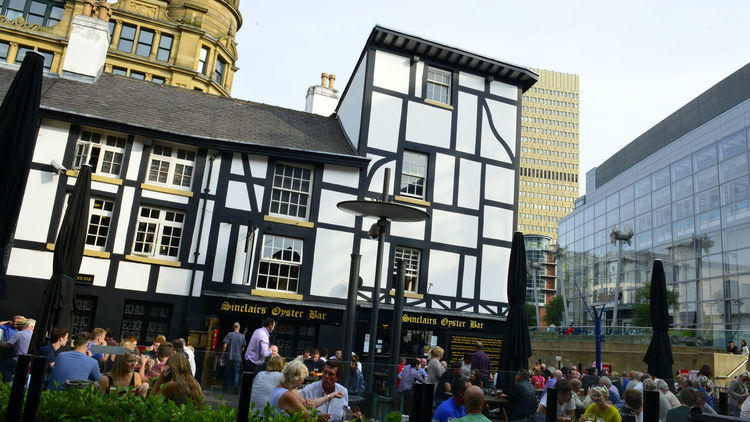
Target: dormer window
{"points": [[438, 86]]}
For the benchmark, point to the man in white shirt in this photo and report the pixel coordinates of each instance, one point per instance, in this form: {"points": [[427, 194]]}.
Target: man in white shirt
{"points": [[566, 405], [332, 372]]}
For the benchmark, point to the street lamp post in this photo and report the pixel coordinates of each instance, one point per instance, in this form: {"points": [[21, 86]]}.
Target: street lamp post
{"points": [[534, 268], [619, 237]]}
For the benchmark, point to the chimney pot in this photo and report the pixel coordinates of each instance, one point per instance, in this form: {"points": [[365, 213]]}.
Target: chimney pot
{"points": [[88, 8], [331, 80], [323, 79], [105, 11]]}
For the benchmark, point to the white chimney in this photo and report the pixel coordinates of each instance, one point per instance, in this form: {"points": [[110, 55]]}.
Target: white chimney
{"points": [[322, 99], [87, 48]]}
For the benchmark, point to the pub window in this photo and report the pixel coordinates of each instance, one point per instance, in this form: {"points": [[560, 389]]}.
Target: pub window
{"points": [[83, 314], [171, 165], [34, 12], [292, 187], [145, 40], [165, 47], [414, 174], [203, 61], [103, 152], [280, 263], [127, 38], [158, 233], [145, 320], [100, 219], [221, 67], [438, 85], [412, 257]]}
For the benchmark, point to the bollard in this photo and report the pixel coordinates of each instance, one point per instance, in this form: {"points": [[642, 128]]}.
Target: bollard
{"points": [[246, 387], [16, 391], [421, 402], [38, 365], [723, 403], [650, 406], [552, 404]]}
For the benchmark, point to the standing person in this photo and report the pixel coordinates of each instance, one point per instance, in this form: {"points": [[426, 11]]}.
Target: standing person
{"points": [[235, 342], [522, 397], [181, 347], [176, 384], [453, 407], [265, 381], [123, 375], [481, 362], [466, 365], [738, 392], [328, 385], [57, 339], [423, 367], [259, 347], [744, 351], [401, 364], [732, 348], [356, 379], [74, 365], [474, 402], [434, 367], [600, 408], [408, 376]]}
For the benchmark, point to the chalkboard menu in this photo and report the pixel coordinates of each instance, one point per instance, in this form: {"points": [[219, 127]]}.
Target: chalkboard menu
{"points": [[459, 345]]}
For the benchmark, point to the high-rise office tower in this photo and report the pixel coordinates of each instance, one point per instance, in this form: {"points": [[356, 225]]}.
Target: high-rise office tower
{"points": [[548, 183]]}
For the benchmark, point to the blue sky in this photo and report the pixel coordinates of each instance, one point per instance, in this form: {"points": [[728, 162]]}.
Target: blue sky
{"points": [[638, 61]]}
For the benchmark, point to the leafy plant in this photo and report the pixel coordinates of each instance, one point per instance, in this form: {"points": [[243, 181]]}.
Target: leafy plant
{"points": [[393, 417], [642, 309], [530, 311], [554, 311]]}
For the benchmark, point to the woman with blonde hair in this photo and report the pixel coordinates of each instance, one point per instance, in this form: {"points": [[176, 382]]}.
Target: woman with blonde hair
{"points": [[123, 374], [600, 409], [175, 382], [434, 367], [285, 396], [265, 381]]}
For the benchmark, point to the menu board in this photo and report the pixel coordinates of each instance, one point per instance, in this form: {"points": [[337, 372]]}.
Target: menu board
{"points": [[459, 345]]}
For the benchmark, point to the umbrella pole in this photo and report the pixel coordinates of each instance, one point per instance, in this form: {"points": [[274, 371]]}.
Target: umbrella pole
{"points": [[598, 333]]}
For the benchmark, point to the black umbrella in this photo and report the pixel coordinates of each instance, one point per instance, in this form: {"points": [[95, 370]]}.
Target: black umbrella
{"points": [[516, 348], [659, 354], [19, 122], [58, 301]]}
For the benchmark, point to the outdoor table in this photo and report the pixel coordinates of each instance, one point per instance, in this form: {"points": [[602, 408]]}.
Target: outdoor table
{"points": [[495, 402]]}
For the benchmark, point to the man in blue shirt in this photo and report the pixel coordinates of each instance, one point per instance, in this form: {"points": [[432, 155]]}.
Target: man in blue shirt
{"points": [[74, 365], [20, 345], [235, 342], [58, 338], [453, 407]]}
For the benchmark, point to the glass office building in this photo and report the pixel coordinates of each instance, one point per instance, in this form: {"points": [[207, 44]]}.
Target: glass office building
{"points": [[683, 188]]}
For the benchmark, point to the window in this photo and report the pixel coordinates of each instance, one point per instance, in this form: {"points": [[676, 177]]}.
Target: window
{"points": [[165, 48], [221, 67], [413, 174], [145, 320], [127, 38], [202, 61], [48, 56], [35, 12], [290, 196], [83, 315], [158, 80], [171, 166], [21, 53], [158, 232], [411, 257], [145, 40], [121, 71], [104, 153], [280, 263], [4, 47], [138, 75], [438, 85], [99, 220]]}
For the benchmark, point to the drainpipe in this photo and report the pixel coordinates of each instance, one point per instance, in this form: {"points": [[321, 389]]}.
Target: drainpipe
{"points": [[197, 252]]}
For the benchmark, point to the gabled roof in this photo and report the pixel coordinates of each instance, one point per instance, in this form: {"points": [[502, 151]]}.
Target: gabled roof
{"points": [[174, 113], [454, 57]]}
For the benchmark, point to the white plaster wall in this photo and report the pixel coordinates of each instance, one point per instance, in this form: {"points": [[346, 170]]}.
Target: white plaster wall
{"points": [[418, 75], [392, 72], [428, 125], [494, 279], [87, 46], [99, 186], [240, 255], [374, 159], [220, 257], [173, 281], [498, 223], [206, 223], [469, 277], [504, 117], [330, 213], [443, 272], [259, 190], [161, 196], [490, 145], [470, 174], [341, 175], [385, 118], [97, 267], [237, 197], [330, 272], [369, 250], [444, 176], [258, 165], [136, 152], [36, 207], [499, 184], [237, 167], [454, 228], [132, 276], [408, 230], [376, 183], [198, 284], [471, 81], [350, 107], [51, 141], [214, 182], [28, 263], [126, 207], [466, 125], [504, 90]]}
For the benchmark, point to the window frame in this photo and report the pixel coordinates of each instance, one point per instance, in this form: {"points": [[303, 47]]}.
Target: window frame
{"points": [[220, 75], [291, 191], [173, 160], [132, 41], [46, 17], [104, 148], [413, 266], [101, 213], [160, 48], [146, 318], [203, 60], [160, 223], [430, 82], [270, 261], [141, 43], [406, 174]]}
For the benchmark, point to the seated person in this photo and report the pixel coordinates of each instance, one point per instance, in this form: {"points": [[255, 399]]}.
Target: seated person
{"points": [[265, 381], [680, 413], [328, 384], [633, 405], [522, 397], [600, 408], [176, 383], [123, 375], [287, 400], [74, 365], [453, 407], [164, 351], [315, 363], [566, 405], [474, 399], [57, 339]]}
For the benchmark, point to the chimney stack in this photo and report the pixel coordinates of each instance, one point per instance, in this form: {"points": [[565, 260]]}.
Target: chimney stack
{"points": [[88, 43], [322, 99]]}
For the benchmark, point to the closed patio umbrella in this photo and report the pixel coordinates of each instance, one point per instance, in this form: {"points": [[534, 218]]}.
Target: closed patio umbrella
{"points": [[19, 123], [58, 301], [659, 354], [516, 346]]}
